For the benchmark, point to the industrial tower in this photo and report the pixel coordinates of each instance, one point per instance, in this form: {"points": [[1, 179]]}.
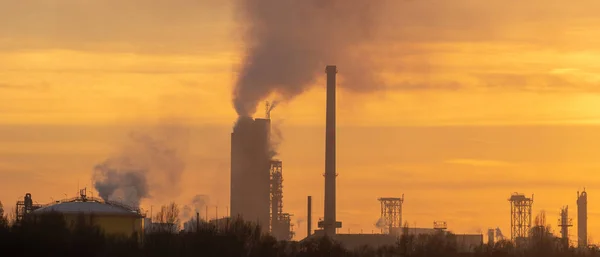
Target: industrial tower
{"points": [[520, 216], [280, 222], [564, 222], [250, 171], [391, 213], [330, 223], [582, 219]]}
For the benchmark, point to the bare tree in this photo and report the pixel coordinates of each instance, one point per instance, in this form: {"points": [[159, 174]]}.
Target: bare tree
{"points": [[168, 214]]}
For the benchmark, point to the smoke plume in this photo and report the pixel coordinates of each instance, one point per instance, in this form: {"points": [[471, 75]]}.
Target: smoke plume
{"points": [[275, 139], [197, 205], [144, 166], [381, 223], [288, 43]]}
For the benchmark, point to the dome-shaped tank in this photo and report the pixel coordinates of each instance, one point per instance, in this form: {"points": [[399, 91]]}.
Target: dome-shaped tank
{"points": [[112, 219]]}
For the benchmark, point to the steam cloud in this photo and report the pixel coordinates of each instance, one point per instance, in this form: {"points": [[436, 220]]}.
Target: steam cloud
{"points": [[288, 43], [198, 203], [381, 223], [142, 167]]}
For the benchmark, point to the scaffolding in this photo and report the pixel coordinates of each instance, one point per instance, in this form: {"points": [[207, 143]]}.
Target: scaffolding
{"points": [[25, 207], [281, 227], [391, 213], [520, 216], [564, 222]]}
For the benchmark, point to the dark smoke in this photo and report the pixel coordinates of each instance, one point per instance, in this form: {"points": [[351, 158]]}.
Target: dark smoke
{"points": [[288, 43], [144, 167]]}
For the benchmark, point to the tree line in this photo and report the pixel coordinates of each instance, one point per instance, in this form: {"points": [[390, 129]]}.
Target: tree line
{"points": [[50, 235]]}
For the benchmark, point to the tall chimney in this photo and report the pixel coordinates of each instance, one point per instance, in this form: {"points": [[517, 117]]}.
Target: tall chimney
{"points": [[330, 223], [582, 219], [197, 222], [309, 217]]}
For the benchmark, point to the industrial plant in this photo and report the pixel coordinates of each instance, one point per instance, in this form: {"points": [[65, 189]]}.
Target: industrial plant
{"points": [[257, 178], [257, 195], [112, 218]]}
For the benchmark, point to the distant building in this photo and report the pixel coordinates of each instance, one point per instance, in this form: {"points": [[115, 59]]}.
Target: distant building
{"points": [[250, 168], [112, 219]]}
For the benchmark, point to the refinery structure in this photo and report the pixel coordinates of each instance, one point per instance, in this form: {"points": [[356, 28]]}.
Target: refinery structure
{"points": [[257, 195], [112, 218]]}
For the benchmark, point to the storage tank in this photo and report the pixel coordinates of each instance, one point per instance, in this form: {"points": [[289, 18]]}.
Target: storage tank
{"points": [[111, 218]]}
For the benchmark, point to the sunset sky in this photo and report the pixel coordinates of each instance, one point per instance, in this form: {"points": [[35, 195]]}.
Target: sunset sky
{"points": [[481, 99]]}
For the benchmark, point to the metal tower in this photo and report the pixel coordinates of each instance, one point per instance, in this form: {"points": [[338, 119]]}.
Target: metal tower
{"points": [[520, 215], [391, 213], [564, 222], [280, 222], [582, 219]]}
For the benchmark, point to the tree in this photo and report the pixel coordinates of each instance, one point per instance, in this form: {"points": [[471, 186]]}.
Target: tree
{"points": [[3, 219], [168, 214]]}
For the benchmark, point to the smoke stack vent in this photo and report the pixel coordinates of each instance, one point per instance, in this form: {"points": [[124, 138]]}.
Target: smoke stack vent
{"points": [[309, 217], [329, 224]]}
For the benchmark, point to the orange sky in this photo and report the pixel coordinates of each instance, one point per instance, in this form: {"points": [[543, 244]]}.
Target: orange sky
{"points": [[484, 99]]}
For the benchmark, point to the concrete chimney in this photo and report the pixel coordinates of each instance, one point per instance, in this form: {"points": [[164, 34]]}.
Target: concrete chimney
{"points": [[309, 217], [329, 224]]}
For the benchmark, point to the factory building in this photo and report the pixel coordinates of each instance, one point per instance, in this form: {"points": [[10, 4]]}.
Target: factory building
{"points": [[250, 171], [257, 178], [112, 218]]}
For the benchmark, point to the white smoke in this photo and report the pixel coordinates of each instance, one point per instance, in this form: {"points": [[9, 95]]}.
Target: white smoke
{"points": [[381, 223], [146, 164]]}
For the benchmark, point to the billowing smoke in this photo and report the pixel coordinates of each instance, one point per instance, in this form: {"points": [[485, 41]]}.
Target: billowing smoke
{"points": [[288, 43], [145, 166], [119, 179]]}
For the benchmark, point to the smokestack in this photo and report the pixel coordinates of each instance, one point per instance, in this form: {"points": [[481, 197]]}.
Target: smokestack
{"points": [[197, 222], [582, 219], [330, 223], [309, 217]]}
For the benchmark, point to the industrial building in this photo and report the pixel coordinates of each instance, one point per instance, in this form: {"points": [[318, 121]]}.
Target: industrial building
{"points": [[257, 178], [250, 171], [112, 218]]}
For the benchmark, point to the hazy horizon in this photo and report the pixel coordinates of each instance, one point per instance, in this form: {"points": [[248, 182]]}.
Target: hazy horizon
{"points": [[456, 104], [423, 163]]}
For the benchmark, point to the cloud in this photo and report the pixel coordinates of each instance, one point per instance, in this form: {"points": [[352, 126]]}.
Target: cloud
{"points": [[202, 25], [479, 162]]}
